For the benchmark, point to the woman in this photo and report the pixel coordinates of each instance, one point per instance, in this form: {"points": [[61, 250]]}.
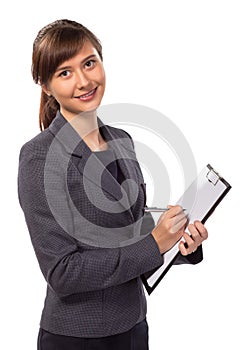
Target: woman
{"points": [[83, 196]]}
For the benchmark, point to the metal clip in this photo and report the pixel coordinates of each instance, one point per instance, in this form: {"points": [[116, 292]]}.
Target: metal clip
{"points": [[213, 177]]}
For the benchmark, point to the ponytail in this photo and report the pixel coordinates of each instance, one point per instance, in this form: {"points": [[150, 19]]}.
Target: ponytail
{"points": [[48, 109]]}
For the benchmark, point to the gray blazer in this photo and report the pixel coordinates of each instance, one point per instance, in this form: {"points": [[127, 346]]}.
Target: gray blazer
{"points": [[93, 279]]}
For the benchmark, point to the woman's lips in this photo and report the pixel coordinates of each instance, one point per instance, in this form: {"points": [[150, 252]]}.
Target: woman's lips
{"points": [[88, 96]]}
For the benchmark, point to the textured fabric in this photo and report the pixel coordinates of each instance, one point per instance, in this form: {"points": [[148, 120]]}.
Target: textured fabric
{"points": [[91, 291], [134, 339]]}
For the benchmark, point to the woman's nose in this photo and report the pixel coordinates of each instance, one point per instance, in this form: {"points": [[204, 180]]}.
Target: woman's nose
{"points": [[81, 80]]}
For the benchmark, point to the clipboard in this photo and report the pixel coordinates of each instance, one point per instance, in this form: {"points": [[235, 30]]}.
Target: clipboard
{"points": [[200, 200]]}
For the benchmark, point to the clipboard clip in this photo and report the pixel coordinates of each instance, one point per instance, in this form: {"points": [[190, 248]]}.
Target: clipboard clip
{"points": [[213, 176]]}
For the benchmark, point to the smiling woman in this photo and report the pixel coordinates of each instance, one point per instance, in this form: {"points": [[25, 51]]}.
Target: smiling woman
{"points": [[78, 85], [82, 190], [55, 68]]}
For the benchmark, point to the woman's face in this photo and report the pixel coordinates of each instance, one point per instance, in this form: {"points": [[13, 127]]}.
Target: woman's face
{"points": [[78, 84]]}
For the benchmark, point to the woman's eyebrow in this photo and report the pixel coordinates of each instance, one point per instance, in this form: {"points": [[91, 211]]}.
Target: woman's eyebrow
{"points": [[63, 68], [88, 57], [68, 67]]}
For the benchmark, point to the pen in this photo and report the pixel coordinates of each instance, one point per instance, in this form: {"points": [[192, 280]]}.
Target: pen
{"points": [[156, 209]]}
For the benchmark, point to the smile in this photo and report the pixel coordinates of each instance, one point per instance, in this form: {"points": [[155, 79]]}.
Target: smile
{"points": [[88, 96]]}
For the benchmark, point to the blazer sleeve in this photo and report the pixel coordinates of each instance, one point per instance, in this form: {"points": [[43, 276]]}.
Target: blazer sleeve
{"points": [[68, 267], [193, 258]]}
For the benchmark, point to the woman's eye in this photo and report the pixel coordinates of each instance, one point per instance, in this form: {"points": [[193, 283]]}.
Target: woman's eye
{"points": [[90, 63], [65, 73]]}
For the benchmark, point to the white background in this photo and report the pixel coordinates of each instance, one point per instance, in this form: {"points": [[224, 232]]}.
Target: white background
{"points": [[184, 59]]}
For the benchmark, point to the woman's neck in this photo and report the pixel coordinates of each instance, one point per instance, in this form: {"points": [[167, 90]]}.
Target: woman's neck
{"points": [[86, 125]]}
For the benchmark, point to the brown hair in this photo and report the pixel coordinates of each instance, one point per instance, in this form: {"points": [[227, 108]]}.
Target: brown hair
{"points": [[54, 44]]}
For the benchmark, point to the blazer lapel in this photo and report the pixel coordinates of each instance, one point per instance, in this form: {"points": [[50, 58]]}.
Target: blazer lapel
{"points": [[125, 156], [94, 171], [91, 167]]}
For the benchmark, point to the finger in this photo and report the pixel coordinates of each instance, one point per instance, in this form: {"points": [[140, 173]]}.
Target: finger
{"points": [[195, 234], [201, 229], [173, 211], [183, 249], [164, 214], [179, 223], [190, 244], [177, 217]]}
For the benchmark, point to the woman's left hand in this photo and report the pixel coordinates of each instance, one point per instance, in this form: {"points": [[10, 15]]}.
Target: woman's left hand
{"points": [[198, 233]]}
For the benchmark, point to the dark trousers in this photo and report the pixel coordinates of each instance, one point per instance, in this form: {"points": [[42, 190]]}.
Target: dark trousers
{"points": [[134, 339]]}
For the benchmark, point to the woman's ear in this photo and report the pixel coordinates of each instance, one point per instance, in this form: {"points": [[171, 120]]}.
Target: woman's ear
{"points": [[46, 90]]}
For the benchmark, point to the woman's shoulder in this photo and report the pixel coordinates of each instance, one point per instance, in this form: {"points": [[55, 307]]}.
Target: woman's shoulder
{"points": [[120, 134], [40, 143], [118, 131]]}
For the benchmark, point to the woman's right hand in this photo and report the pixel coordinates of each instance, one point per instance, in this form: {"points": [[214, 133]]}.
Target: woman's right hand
{"points": [[170, 228]]}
